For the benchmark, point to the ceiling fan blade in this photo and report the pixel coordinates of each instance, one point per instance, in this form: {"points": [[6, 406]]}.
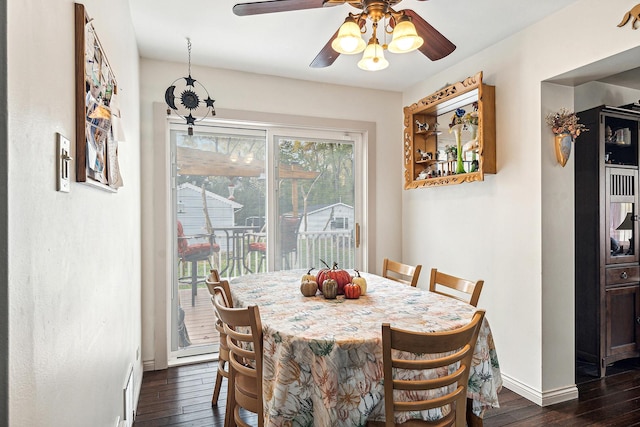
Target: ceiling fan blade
{"points": [[435, 46], [327, 55], [272, 6]]}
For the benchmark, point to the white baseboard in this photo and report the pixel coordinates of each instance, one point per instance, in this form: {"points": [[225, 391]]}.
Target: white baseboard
{"points": [[545, 398], [148, 365]]}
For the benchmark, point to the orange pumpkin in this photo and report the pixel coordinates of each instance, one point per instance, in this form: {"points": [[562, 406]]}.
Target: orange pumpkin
{"points": [[352, 291]]}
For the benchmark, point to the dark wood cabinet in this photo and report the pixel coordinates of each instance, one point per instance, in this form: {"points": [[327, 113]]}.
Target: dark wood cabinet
{"points": [[607, 268], [622, 322]]}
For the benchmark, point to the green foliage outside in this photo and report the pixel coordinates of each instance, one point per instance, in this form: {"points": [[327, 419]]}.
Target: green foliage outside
{"points": [[332, 161]]}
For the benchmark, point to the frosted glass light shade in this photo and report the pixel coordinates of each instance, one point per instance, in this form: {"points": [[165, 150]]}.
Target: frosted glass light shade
{"points": [[373, 58], [405, 38], [349, 40]]}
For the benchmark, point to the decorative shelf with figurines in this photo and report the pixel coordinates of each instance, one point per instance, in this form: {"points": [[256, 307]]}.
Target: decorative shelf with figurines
{"points": [[449, 136]]}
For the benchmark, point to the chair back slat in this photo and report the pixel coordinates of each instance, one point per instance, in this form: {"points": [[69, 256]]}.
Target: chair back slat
{"points": [[400, 272], [438, 402], [224, 295], [463, 289], [212, 280]]}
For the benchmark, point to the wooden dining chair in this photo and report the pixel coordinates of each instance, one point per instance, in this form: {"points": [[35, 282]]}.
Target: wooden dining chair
{"points": [[225, 299], [438, 355], [463, 290], [402, 273], [243, 328]]}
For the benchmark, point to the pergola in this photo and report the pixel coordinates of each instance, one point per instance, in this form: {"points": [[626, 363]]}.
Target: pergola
{"points": [[207, 163]]}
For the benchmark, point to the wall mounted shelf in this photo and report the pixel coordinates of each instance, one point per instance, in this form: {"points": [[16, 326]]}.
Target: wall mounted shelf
{"points": [[435, 112]]}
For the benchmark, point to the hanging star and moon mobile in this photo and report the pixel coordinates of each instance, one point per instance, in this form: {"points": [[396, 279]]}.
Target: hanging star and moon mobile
{"points": [[194, 104]]}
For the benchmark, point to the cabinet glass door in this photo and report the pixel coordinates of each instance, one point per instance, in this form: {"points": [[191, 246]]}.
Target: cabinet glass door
{"points": [[622, 217], [620, 136]]}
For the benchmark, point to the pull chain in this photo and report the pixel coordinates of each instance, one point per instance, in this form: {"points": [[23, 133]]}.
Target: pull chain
{"points": [[189, 49]]}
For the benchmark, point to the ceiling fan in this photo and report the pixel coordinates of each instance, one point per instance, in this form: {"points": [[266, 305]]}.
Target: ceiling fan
{"points": [[409, 31]]}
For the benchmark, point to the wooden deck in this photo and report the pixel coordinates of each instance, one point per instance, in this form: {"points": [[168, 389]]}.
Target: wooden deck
{"points": [[199, 319]]}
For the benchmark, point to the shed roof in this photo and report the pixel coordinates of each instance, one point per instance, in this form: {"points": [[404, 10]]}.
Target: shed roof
{"points": [[195, 188], [318, 208]]}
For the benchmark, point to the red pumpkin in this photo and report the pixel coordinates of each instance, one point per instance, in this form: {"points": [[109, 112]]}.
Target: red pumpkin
{"points": [[352, 291], [320, 276], [342, 277]]}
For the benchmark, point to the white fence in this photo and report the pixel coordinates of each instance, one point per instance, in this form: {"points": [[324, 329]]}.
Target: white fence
{"points": [[330, 246], [313, 246]]}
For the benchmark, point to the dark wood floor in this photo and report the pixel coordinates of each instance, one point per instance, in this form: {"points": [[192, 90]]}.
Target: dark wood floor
{"points": [[181, 396]]}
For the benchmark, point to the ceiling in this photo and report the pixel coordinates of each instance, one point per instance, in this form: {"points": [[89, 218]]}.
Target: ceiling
{"points": [[285, 43], [629, 78]]}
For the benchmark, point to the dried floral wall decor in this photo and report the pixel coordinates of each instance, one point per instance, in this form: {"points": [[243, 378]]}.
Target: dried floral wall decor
{"points": [[565, 127]]}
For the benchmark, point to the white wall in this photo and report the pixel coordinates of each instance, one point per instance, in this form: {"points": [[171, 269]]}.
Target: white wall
{"points": [[557, 260], [74, 259], [594, 94], [515, 229], [264, 97]]}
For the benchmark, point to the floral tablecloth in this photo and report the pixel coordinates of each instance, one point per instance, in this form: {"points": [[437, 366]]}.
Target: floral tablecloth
{"points": [[323, 358]]}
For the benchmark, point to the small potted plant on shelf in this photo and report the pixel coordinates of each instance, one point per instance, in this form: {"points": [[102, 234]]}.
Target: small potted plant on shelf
{"points": [[564, 125], [451, 151]]}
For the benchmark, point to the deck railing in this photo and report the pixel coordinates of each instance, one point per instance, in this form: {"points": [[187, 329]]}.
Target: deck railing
{"points": [[313, 246], [330, 246]]}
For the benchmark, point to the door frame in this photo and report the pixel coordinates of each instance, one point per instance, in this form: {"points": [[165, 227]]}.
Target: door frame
{"points": [[158, 236]]}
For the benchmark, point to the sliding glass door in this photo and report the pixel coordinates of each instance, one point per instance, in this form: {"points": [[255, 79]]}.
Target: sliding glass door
{"points": [[219, 195], [315, 181], [249, 199]]}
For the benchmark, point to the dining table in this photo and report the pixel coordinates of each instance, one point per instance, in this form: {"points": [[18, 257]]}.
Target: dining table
{"points": [[322, 358]]}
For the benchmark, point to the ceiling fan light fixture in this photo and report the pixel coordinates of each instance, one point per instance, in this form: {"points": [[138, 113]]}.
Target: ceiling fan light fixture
{"points": [[373, 57], [349, 40], [405, 37]]}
